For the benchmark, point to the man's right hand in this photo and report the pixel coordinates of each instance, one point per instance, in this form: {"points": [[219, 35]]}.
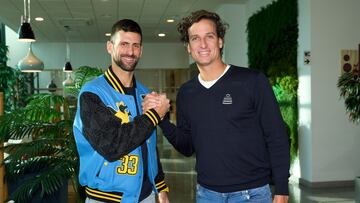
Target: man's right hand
{"points": [[159, 102]]}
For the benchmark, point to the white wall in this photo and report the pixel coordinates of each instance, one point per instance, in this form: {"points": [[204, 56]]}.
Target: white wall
{"points": [[334, 26], [164, 55], [17, 50], [304, 93], [235, 39]]}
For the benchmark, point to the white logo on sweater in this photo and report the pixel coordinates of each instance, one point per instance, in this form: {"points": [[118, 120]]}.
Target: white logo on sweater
{"points": [[227, 99]]}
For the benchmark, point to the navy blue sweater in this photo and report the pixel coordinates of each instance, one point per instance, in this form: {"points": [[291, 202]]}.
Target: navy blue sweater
{"points": [[236, 131]]}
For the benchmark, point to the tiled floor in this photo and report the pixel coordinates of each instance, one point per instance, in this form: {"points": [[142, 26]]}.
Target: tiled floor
{"points": [[181, 178], [329, 195]]}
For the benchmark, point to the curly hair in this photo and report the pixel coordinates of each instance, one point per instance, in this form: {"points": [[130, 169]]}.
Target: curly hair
{"points": [[195, 17]]}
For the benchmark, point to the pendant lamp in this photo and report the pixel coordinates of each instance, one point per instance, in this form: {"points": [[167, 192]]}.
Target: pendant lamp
{"points": [[25, 32], [69, 82], [30, 63], [67, 68], [52, 86]]}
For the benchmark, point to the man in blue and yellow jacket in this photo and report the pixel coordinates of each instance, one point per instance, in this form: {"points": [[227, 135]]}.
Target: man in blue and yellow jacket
{"points": [[116, 141]]}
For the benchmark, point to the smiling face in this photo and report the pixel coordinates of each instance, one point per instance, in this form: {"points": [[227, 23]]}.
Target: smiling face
{"points": [[204, 44], [125, 49]]}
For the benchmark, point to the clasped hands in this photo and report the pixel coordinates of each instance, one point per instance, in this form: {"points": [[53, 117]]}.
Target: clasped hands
{"points": [[159, 102]]}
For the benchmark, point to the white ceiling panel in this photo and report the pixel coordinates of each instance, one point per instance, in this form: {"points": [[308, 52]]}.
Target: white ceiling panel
{"points": [[176, 7], [154, 8], [52, 8], [89, 20]]}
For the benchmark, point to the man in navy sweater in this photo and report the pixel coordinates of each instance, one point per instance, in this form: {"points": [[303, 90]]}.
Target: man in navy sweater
{"points": [[228, 116]]}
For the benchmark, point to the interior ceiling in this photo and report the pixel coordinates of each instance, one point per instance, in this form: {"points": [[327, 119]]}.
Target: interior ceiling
{"points": [[89, 20]]}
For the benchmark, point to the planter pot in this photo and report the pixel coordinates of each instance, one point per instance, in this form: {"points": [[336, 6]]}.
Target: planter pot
{"points": [[58, 197]]}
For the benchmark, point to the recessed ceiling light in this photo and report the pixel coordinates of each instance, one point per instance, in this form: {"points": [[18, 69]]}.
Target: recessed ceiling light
{"points": [[161, 34], [39, 19], [170, 20], [108, 34]]}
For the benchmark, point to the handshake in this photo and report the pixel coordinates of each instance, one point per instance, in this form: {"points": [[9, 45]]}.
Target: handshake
{"points": [[159, 102]]}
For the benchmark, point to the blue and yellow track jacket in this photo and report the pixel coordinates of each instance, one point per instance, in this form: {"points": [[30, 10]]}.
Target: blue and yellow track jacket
{"points": [[117, 180]]}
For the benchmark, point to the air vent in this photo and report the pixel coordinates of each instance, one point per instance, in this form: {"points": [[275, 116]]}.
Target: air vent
{"points": [[75, 22]]}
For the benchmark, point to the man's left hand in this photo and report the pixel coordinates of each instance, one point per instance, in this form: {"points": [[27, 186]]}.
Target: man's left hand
{"points": [[281, 199], [163, 197]]}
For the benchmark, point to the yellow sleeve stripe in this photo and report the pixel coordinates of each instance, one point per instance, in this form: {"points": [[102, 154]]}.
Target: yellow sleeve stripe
{"points": [[160, 186], [160, 183], [153, 115], [152, 120]]}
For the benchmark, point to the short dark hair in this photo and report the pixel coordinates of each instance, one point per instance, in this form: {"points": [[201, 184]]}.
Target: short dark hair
{"points": [[126, 25], [184, 25]]}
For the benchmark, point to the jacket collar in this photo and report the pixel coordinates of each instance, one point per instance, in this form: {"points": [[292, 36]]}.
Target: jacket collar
{"points": [[114, 81]]}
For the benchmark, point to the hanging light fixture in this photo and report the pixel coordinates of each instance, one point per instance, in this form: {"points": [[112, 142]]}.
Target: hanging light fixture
{"points": [[30, 63], [67, 68], [26, 34], [68, 82]]}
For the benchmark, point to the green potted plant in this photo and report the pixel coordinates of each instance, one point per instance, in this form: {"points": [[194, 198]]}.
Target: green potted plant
{"points": [[47, 151], [83, 74], [46, 157], [13, 83], [349, 85]]}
